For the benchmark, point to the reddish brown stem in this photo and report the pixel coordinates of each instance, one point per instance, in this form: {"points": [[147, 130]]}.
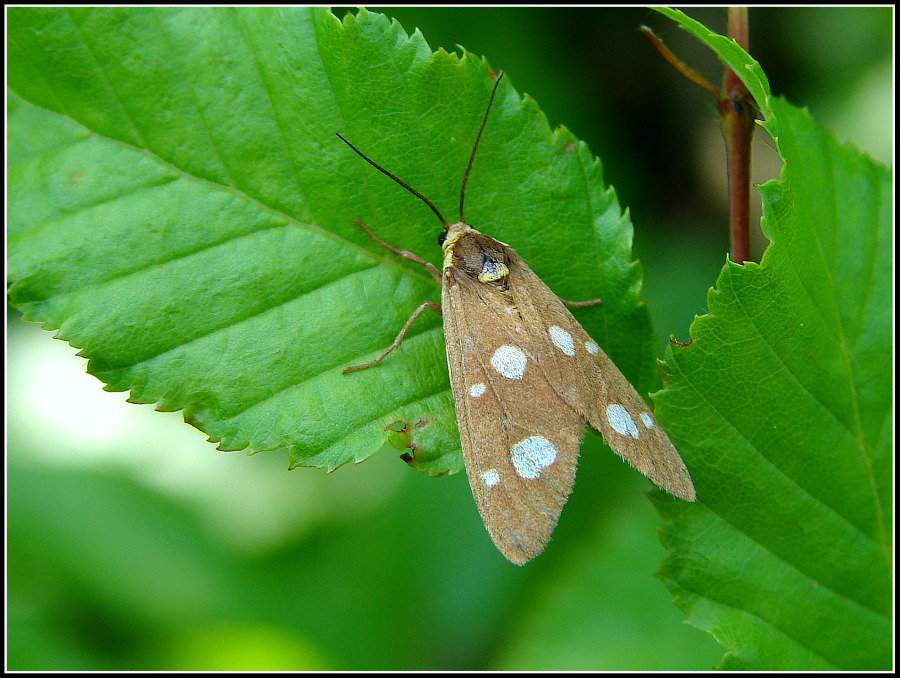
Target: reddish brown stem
{"points": [[737, 115]]}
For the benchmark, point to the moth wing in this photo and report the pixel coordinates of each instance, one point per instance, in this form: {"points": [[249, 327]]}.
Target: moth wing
{"points": [[520, 441], [584, 377]]}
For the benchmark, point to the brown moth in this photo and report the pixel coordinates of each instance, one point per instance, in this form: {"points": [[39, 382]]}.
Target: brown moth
{"points": [[526, 378]]}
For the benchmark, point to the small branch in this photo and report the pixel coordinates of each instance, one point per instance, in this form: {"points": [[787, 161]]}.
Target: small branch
{"points": [[678, 64]]}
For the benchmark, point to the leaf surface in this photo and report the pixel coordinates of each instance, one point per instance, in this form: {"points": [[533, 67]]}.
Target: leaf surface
{"points": [[781, 407], [182, 211]]}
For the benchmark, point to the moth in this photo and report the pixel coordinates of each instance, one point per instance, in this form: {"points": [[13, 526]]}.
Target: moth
{"points": [[526, 379]]}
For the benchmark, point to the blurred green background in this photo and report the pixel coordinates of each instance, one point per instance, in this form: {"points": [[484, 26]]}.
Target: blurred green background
{"points": [[132, 544]]}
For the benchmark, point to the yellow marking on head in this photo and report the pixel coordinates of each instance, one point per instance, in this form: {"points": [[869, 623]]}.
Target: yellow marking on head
{"points": [[454, 233]]}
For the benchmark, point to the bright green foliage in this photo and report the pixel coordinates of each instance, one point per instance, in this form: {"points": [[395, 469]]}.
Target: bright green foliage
{"points": [[781, 408], [181, 209]]}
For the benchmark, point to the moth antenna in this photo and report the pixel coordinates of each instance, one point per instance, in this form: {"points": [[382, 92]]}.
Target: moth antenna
{"points": [[462, 191], [399, 181]]}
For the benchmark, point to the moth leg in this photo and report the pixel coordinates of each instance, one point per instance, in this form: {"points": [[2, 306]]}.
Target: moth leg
{"points": [[428, 304], [592, 302], [431, 268]]}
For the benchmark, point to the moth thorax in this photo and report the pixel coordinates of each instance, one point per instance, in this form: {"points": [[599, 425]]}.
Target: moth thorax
{"points": [[483, 258]]}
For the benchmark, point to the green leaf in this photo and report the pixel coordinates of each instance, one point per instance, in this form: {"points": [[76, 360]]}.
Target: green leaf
{"points": [[781, 407], [181, 210]]}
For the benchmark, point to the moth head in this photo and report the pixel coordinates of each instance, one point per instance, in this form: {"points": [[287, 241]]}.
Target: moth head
{"points": [[452, 233], [481, 257]]}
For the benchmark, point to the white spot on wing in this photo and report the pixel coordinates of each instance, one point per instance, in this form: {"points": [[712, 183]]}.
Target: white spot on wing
{"points": [[591, 347], [476, 390], [491, 478], [647, 419], [621, 421], [532, 455], [562, 340], [509, 361]]}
